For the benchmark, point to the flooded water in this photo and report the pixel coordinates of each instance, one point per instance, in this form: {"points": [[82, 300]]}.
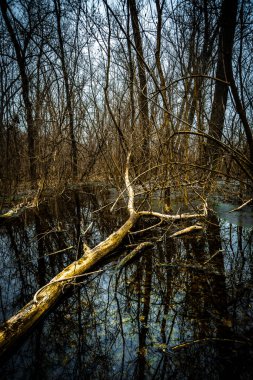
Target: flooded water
{"points": [[181, 310]]}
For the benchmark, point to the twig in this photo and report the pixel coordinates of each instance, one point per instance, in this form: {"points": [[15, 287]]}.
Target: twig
{"points": [[87, 229], [210, 258], [243, 205], [60, 251], [146, 229]]}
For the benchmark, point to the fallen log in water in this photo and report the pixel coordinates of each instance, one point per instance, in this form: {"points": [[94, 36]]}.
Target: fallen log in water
{"points": [[19, 324], [46, 297]]}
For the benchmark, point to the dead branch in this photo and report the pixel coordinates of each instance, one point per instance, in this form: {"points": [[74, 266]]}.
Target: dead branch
{"points": [[133, 253], [187, 230], [176, 216], [243, 205]]}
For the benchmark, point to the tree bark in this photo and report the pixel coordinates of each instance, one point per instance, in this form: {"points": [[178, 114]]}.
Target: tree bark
{"points": [[143, 91], [21, 60], [69, 100], [225, 49], [242, 114]]}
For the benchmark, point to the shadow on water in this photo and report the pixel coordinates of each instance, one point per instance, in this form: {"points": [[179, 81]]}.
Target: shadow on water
{"points": [[181, 310]]}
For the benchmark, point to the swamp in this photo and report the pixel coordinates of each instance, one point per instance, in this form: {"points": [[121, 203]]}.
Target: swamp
{"points": [[126, 189], [180, 309]]}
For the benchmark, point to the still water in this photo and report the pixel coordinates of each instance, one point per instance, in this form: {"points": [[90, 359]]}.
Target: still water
{"points": [[181, 310]]}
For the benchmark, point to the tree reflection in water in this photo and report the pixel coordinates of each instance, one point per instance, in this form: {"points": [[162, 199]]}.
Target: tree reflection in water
{"points": [[181, 310]]}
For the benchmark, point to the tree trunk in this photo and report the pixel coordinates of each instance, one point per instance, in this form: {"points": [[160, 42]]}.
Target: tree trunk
{"points": [[21, 60], [19, 324], [225, 49], [68, 92], [143, 91]]}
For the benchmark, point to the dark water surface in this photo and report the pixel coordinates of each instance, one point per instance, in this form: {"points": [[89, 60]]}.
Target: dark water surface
{"points": [[181, 310]]}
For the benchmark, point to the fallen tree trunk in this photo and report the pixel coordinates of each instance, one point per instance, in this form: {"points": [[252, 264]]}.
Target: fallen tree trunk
{"points": [[18, 325]]}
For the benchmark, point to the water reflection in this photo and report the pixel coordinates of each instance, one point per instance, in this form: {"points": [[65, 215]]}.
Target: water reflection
{"points": [[181, 310]]}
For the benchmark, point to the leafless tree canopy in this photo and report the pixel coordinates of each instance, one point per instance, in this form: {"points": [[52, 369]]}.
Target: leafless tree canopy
{"points": [[84, 82]]}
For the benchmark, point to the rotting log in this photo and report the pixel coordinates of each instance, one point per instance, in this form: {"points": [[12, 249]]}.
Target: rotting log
{"points": [[17, 326]]}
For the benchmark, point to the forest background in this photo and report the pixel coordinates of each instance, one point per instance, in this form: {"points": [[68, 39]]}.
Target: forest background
{"points": [[85, 82]]}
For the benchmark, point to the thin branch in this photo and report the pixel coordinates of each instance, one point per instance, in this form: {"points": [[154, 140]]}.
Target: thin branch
{"points": [[243, 205], [187, 344], [194, 76], [146, 229], [176, 216], [187, 230], [210, 258], [133, 253]]}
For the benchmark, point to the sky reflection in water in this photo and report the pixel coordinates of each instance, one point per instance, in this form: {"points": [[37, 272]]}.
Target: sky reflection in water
{"points": [[181, 310]]}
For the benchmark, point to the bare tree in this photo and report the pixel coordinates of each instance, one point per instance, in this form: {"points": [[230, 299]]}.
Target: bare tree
{"points": [[227, 25], [68, 88], [21, 57], [143, 84]]}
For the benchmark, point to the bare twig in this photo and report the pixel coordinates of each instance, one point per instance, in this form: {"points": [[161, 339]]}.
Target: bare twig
{"points": [[210, 258], [187, 230], [146, 229], [187, 344], [243, 205], [176, 216]]}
